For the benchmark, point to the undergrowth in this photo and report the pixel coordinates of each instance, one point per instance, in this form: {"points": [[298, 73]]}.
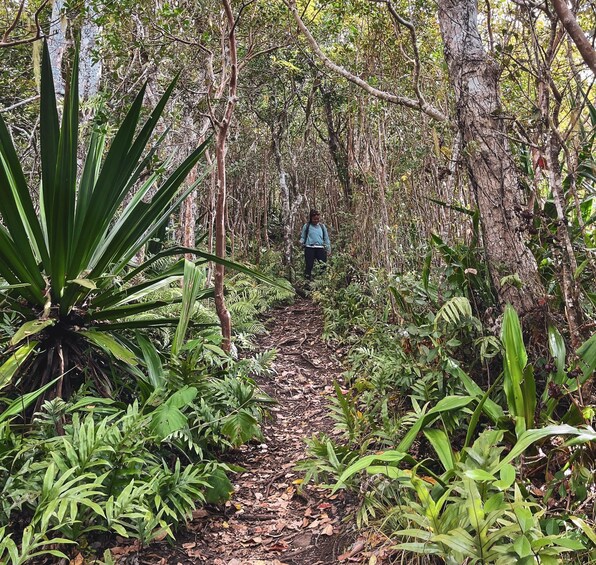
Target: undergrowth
{"points": [[463, 446], [81, 470]]}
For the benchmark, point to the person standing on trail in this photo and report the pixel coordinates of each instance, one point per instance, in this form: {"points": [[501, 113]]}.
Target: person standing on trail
{"points": [[314, 238]]}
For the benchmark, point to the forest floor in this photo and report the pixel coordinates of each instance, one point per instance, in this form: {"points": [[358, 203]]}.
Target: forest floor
{"points": [[272, 519]]}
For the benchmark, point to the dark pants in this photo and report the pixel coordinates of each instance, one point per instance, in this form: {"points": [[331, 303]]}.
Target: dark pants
{"points": [[310, 255]]}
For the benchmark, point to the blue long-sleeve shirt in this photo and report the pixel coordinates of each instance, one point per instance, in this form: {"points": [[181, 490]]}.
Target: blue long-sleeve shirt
{"points": [[317, 236]]}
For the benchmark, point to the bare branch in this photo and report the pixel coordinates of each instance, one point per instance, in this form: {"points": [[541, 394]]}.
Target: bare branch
{"points": [[415, 104], [18, 104], [14, 23], [576, 33], [6, 42]]}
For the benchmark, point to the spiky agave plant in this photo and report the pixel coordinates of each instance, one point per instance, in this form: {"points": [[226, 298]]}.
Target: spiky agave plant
{"points": [[68, 269]]}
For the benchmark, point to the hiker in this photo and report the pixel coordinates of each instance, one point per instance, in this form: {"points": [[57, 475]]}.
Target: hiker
{"points": [[314, 237]]}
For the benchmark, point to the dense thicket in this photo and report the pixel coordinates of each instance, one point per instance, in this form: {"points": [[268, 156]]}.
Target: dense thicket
{"points": [[450, 148]]}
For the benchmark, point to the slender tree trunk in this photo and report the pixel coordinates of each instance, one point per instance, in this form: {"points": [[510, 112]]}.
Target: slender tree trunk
{"points": [[57, 44], [89, 70], [491, 169], [288, 208], [337, 149], [222, 128]]}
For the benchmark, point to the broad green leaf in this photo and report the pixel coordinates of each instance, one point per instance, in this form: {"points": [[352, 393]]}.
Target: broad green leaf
{"points": [[532, 436], [14, 361], [240, 427], [490, 408], [110, 345], [361, 464], [585, 527], [30, 328], [182, 397], [167, 419], [390, 472], [515, 361], [192, 281], [422, 548], [458, 540], [479, 475], [155, 369], [587, 355], [442, 446], [507, 476], [556, 346], [220, 488], [446, 404], [522, 546]]}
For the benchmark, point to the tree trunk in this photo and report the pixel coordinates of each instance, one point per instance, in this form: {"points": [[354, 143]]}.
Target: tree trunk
{"points": [[288, 208], [57, 44], [337, 149], [222, 128], [491, 169], [89, 70]]}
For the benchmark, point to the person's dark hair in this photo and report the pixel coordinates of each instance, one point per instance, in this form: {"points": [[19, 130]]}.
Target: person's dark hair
{"points": [[312, 214]]}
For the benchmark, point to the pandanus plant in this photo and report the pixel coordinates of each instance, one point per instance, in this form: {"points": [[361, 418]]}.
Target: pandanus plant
{"points": [[67, 262]]}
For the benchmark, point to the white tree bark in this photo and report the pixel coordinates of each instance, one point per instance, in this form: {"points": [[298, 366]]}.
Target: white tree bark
{"points": [[89, 70], [57, 43]]}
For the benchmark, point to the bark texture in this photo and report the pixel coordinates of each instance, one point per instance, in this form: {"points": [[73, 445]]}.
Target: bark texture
{"points": [[222, 128], [491, 169]]}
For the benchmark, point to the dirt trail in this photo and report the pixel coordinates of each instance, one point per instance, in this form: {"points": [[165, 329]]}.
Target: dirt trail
{"points": [[271, 520]]}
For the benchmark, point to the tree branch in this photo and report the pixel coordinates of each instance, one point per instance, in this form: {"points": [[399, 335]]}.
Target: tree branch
{"points": [[18, 104], [576, 33], [6, 42], [415, 104]]}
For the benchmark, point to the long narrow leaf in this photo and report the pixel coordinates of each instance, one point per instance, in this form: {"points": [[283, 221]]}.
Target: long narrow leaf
{"points": [[19, 405], [191, 286], [10, 367], [515, 361]]}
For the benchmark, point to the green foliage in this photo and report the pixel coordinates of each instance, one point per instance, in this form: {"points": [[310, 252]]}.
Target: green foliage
{"points": [[417, 416], [68, 266], [519, 383]]}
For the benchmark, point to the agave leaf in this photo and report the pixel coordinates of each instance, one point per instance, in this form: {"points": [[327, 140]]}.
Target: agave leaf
{"points": [[148, 323], [138, 228], [110, 345], [120, 312], [30, 328], [89, 177], [20, 404], [102, 204], [14, 362], [13, 270], [171, 251], [59, 199], [86, 283]]}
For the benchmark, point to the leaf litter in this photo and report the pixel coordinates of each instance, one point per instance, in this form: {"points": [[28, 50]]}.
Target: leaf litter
{"points": [[272, 519]]}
